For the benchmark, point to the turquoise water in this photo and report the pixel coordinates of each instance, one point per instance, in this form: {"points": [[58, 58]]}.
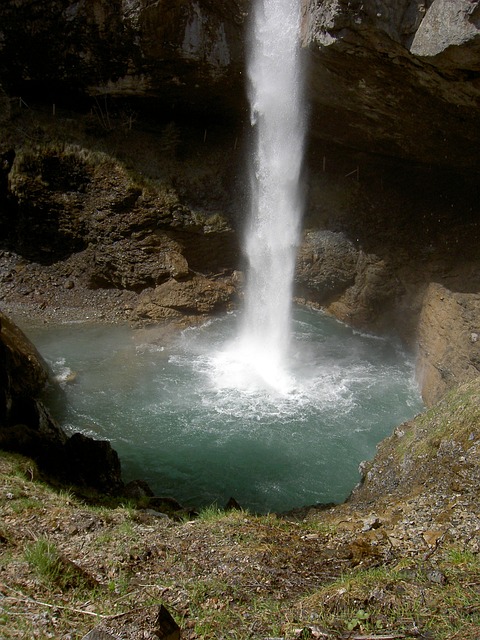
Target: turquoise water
{"points": [[178, 423]]}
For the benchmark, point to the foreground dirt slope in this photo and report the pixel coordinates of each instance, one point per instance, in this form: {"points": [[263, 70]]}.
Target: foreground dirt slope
{"points": [[400, 559]]}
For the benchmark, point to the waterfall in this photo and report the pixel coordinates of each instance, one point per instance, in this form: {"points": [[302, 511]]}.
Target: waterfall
{"points": [[258, 357], [276, 101]]}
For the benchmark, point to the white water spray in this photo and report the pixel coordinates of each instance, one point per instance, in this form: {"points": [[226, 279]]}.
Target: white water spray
{"points": [[276, 93]]}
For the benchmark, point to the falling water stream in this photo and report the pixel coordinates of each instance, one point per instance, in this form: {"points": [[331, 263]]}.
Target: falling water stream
{"points": [[261, 350], [273, 408]]}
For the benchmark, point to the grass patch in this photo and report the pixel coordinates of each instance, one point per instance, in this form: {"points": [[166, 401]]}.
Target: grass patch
{"points": [[405, 599], [53, 568], [455, 418], [216, 606], [211, 513], [43, 557]]}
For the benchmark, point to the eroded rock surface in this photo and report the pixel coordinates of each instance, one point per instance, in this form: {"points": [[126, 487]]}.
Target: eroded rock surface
{"points": [[384, 77], [186, 53], [180, 300], [89, 222], [326, 265], [449, 34], [391, 77]]}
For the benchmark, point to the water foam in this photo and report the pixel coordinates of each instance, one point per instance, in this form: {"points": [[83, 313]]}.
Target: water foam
{"points": [[244, 367]]}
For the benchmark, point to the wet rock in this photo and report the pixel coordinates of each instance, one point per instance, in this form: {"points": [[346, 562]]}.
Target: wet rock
{"points": [[92, 463], [372, 298], [24, 420]]}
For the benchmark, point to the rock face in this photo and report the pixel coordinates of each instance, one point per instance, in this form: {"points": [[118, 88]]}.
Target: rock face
{"points": [[385, 78], [449, 35], [448, 341], [395, 77], [64, 200], [326, 265], [86, 212], [187, 53], [174, 300], [23, 376]]}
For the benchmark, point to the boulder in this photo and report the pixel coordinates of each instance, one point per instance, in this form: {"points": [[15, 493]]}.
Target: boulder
{"points": [[92, 463], [23, 376], [175, 300], [449, 35]]}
